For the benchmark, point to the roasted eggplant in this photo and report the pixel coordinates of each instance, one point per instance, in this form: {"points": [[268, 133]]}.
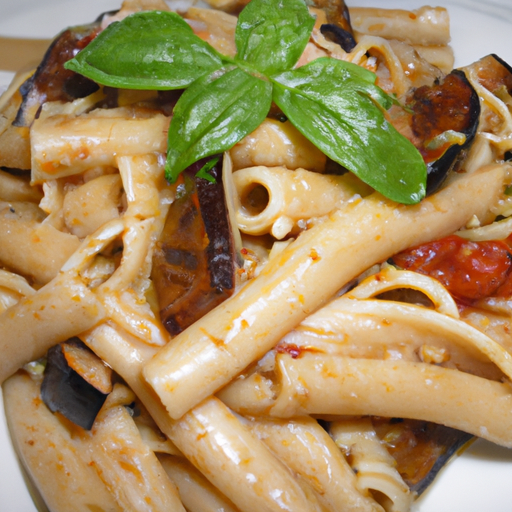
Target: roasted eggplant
{"points": [[420, 448], [445, 119], [194, 262], [494, 73], [441, 120], [76, 382], [51, 81], [338, 28]]}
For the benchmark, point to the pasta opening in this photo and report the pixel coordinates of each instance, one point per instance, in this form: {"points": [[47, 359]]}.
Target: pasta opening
{"points": [[255, 199]]}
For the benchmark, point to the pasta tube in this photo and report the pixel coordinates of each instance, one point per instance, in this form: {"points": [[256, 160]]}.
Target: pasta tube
{"points": [[58, 311], [30, 246], [12, 288], [304, 446], [424, 26], [210, 435], [15, 188], [197, 493], [379, 329], [335, 385], [275, 144], [292, 196], [63, 146], [50, 452], [212, 351], [128, 467]]}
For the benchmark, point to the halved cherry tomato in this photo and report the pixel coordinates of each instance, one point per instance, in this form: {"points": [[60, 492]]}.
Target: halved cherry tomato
{"points": [[469, 270]]}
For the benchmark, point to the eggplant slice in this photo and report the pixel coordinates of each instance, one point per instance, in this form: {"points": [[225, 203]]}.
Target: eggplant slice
{"points": [[51, 81], [65, 391], [494, 73], [338, 29], [450, 110], [441, 120], [420, 448], [194, 261], [445, 119]]}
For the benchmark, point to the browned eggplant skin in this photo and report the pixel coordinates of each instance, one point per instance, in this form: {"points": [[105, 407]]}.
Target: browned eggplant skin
{"points": [[65, 391], [51, 81], [494, 73], [336, 11], [338, 28], [420, 448], [451, 104], [194, 260]]}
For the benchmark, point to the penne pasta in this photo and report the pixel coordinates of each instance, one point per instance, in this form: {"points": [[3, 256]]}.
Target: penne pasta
{"points": [[425, 26], [58, 311], [335, 385], [50, 453], [30, 246], [196, 492], [13, 188], [277, 144], [207, 280], [304, 446], [224, 342], [293, 197], [210, 436], [130, 470], [63, 146]]}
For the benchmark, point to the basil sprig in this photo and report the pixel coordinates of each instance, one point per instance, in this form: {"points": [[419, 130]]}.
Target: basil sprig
{"points": [[272, 34], [152, 50], [335, 104], [213, 114]]}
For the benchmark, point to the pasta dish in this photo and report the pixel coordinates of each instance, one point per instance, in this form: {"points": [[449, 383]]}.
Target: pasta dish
{"points": [[255, 257]]}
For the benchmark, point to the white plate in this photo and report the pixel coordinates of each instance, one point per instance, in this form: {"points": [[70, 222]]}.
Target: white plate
{"points": [[480, 479]]}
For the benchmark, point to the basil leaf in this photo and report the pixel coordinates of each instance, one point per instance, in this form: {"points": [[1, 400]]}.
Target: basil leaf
{"points": [[272, 34], [213, 114], [334, 108], [146, 50]]}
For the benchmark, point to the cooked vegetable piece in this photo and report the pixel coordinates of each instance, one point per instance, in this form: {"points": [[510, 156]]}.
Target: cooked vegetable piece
{"points": [[194, 261], [338, 35], [51, 81], [469, 270], [88, 365], [420, 448], [65, 391], [338, 28], [494, 73], [336, 12], [445, 120]]}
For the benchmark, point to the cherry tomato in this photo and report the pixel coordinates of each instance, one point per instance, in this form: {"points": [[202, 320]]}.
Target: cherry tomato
{"points": [[469, 270]]}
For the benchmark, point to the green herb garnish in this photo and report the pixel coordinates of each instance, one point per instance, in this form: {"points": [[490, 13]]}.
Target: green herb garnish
{"points": [[335, 104], [204, 172]]}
